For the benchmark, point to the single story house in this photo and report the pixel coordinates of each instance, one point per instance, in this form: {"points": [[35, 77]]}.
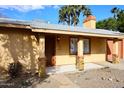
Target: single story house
{"points": [[26, 41]]}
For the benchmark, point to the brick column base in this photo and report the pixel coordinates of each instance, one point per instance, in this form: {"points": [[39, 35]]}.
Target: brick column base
{"points": [[80, 63], [42, 67], [115, 59]]}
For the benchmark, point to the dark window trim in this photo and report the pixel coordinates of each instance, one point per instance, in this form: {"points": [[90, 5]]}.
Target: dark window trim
{"points": [[70, 44], [77, 46]]}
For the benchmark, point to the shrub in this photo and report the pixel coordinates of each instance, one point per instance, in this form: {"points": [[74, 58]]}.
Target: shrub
{"points": [[15, 69]]}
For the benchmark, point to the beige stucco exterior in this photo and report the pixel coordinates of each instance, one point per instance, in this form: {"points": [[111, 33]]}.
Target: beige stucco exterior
{"points": [[90, 24], [98, 51], [25, 46], [19, 45], [62, 52]]}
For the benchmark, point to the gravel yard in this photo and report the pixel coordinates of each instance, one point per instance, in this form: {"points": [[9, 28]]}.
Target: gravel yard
{"points": [[95, 78], [98, 78]]}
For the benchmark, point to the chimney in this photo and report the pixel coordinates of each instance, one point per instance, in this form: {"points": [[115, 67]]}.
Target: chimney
{"points": [[90, 22]]}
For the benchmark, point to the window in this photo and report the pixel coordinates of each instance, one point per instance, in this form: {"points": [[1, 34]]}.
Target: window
{"points": [[86, 46], [73, 46]]}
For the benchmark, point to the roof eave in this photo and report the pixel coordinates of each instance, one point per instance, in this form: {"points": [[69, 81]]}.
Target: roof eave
{"points": [[50, 31], [15, 25]]}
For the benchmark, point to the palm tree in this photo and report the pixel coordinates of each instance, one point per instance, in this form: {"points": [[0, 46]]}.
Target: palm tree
{"points": [[115, 11], [65, 15], [70, 14]]}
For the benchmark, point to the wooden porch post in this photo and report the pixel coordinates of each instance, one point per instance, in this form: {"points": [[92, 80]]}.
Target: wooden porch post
{"points": [[115, 55], [80, 58], [41, 59]]}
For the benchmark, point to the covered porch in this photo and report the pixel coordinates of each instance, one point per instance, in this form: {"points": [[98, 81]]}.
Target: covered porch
{"points": [[63, 51], [75, 48]]}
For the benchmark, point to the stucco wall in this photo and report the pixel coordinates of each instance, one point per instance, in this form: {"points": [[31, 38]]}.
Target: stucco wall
{"points": [[98, 51], [62, 52], [90, 24], [23, 45], [18, 44]]}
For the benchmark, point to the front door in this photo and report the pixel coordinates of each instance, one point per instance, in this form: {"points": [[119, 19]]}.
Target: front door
{"points": [[50, 50]]}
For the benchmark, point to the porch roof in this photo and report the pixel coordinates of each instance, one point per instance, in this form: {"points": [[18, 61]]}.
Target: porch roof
{"points": [[44, 27], [71, 30]]}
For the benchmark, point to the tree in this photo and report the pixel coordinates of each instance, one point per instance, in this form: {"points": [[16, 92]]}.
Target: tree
{"points": [[70, 14], [120, 21], [115, 11], [119, 16], [115, 23], [109, 24]]}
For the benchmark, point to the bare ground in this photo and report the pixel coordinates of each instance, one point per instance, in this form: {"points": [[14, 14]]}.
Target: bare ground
{"points": [[95, 78], [98, 78]]}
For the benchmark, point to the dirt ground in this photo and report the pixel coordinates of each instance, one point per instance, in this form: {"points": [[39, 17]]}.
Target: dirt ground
{"points": [[98, 78], [95, 78]]}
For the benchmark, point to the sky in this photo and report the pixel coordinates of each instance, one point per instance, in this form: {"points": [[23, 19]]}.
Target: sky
{"points": [[50, 13]]}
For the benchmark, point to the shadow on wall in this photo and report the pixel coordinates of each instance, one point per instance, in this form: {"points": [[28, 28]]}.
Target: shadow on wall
{"points": [[17, 45]]}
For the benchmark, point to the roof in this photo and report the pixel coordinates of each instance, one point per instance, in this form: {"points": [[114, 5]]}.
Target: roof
{"points": [[13, 21], [73, 29], [45, 25]]}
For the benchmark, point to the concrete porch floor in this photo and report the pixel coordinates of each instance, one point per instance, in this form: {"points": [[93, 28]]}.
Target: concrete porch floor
{"points": [[119, 66], [72, 68], [87, 66]]}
